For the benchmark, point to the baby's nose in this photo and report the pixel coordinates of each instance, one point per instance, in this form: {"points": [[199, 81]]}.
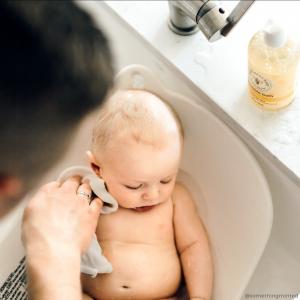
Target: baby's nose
{"points": [[151, 193]]}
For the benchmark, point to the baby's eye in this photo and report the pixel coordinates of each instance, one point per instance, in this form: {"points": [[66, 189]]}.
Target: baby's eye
{"points": [[166, 181], [133, 187]]}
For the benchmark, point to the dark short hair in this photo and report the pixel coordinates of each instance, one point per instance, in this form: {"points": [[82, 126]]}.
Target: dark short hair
{"points": [[55, 66]]}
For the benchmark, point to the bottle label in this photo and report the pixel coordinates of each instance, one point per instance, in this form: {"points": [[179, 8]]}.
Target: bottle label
{"points": [[271, 91], [259, 83]]}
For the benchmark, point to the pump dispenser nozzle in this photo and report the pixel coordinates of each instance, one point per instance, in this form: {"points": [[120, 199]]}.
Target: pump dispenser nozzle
{"points": [[275, 36]]}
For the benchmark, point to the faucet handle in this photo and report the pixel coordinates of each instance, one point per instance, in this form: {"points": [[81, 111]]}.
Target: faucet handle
{"points": [[214, 25], [186, 17], [236, 15]]}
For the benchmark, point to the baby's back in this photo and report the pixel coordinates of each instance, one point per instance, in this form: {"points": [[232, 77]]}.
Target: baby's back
{"points": [[141, 248]]}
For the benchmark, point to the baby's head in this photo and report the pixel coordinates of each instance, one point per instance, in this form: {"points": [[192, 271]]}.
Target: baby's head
{"points": [[136, 148]]}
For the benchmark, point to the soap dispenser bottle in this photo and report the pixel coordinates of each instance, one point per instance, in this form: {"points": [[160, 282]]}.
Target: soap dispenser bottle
{"points": [[272, 68]]}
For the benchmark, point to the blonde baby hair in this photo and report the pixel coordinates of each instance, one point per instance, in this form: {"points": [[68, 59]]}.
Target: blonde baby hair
{"points": [[137, 114]]}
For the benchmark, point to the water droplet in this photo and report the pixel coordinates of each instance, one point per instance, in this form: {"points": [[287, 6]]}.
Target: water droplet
{"points": [[203, 53], [205, 47]]}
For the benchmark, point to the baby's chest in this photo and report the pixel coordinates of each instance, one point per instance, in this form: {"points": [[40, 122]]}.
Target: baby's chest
{"points": [[138, 227]]}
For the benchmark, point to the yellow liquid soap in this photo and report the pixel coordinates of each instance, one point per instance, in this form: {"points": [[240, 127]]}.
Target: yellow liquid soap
{"points": [[272, 68]]}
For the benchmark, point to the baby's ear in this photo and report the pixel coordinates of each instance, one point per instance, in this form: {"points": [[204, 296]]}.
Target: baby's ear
{"points": [[93, 163]]}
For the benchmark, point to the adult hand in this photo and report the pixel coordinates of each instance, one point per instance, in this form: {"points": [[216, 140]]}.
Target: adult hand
{"points": [[58, 225], [57, 218]]}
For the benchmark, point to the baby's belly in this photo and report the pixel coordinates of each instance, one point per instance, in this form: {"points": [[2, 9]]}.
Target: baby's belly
{"points": [[140, 271]]}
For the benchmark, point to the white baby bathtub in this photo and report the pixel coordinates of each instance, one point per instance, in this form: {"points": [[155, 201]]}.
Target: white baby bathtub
{"points": [[227, 183]]}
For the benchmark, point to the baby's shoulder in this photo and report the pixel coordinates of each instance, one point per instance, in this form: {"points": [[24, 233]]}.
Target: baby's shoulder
{"points": [[183, 202], [180, 193]]}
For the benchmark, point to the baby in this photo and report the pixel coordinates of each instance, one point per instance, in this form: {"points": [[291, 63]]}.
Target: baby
{"points": [[156, 234]]}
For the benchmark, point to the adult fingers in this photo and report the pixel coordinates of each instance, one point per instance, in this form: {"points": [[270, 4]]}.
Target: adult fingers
{"points": [[45, 189], [50, 186], [71, 184], [95, 208], [84, 191]]}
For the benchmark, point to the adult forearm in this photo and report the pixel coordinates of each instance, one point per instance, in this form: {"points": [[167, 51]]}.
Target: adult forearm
{"points": [[55, 276]]}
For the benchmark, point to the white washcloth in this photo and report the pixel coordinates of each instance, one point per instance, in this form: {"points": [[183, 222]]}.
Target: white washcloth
{"points": [[93, 262]]}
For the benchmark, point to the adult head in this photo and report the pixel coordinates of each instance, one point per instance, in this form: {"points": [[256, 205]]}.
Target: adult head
{"points": [[55, 67]]}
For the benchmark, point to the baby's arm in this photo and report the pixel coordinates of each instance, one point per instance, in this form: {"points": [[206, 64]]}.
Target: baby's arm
{"points": [[192, 245]]}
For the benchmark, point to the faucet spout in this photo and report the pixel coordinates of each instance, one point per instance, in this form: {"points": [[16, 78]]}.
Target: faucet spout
{"points": [[187, 17]]}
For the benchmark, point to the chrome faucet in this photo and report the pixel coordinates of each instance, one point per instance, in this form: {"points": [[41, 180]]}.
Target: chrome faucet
{"points": [[186, 17]]}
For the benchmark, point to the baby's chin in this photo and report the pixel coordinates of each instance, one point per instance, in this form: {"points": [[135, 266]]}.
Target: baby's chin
{"points": [[144, 208], [141, 208]]}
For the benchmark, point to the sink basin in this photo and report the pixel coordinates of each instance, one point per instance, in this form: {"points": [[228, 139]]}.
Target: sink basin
{"points": [[277, 272], [226, 171]]}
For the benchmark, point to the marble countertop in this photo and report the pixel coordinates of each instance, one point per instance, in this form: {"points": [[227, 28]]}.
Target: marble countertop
{"points": [[220, 68]]}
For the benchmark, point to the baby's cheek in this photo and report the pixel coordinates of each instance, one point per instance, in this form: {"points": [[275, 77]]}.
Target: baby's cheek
{"points": [[167, 192], [171, 186], [127, 199], [116, 193]]}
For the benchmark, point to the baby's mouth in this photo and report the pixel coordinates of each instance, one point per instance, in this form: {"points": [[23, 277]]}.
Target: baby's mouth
{"points": [[144, 208]]}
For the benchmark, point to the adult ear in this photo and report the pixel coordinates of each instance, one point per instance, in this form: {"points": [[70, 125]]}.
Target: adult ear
{"points": [[93, 163], [11, 192], [10, 186]]}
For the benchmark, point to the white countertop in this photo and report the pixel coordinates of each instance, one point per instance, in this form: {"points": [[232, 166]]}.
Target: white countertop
{"points": [[220, 69]]}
